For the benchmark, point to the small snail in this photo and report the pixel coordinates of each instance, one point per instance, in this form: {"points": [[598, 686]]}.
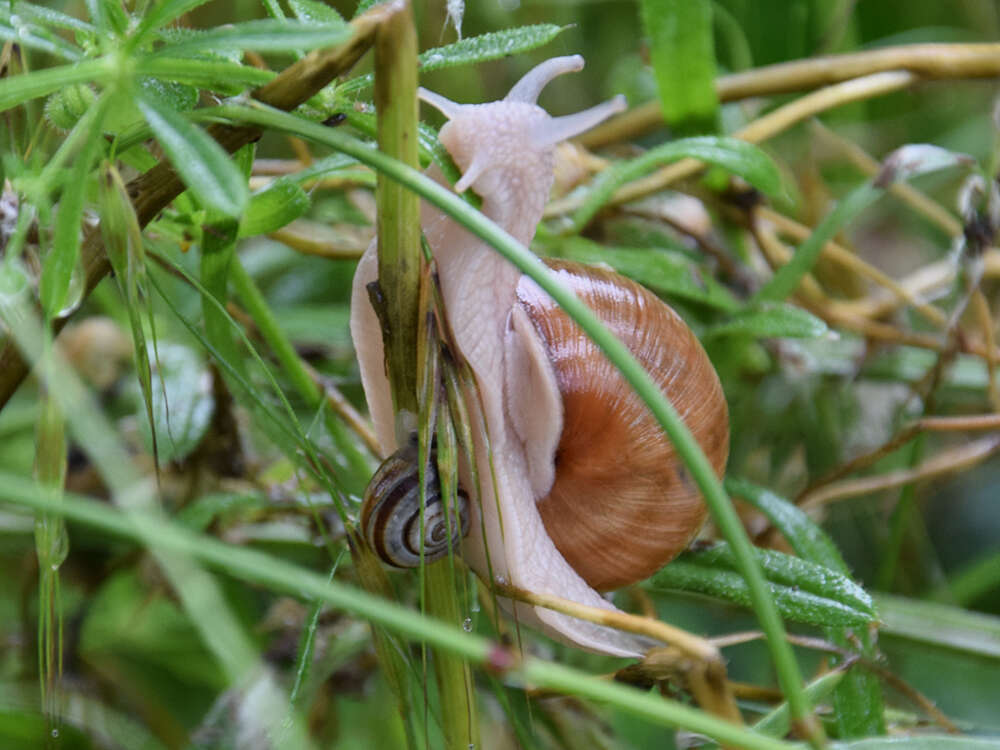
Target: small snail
{"points": [[390, 514], [589, 493]]}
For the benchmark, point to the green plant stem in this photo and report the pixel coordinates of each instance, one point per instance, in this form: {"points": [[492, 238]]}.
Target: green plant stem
{"points": [[165, 536], [399, 267], [398, 208], [786, 667]]}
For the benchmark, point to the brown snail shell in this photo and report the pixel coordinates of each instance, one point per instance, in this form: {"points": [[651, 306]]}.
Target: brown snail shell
{"points": [[622, 504]]}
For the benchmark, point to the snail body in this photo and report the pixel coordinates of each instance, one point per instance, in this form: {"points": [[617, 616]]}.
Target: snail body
{"points": [[585, 492]]}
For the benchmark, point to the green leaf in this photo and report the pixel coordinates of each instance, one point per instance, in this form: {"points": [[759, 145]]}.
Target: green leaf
{"points": [[793, 572], [202, 164], [940, 625], [771, 321], [314, 11], [490, 46], [62, 260], [182, 400], [808, 540], [738, 157], [279, 204], [48, 16], [683, 55], [14, 28], [21, 88], [216, 75], [792, 604], [476, 49], [266, 35]]}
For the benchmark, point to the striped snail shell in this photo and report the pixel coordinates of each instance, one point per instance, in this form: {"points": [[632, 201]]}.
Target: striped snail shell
{"points": [[391, 518]]}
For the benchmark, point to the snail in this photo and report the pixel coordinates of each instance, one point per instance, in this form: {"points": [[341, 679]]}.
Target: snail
{"points": [[586, 494], [390, 514]]}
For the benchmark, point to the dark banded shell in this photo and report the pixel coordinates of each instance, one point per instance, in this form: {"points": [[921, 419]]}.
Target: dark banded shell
{"points": [[390, 513]]}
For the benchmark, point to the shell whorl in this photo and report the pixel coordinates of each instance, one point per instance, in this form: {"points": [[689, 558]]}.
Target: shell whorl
{"points": [[390, 513], [622, 505]]}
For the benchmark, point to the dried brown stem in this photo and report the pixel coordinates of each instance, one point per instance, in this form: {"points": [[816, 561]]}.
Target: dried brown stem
{"points": [[757, 131], [152, 191], [924, 61], [944, 463], [906, 193], [845, 258]]}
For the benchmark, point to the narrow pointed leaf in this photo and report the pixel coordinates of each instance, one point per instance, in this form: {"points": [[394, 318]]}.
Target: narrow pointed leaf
{"points": [[202, 164], [808, 540], [279, 204], [476, 49], [771, 321], [62, 261], [267, 35], [21, 88]]}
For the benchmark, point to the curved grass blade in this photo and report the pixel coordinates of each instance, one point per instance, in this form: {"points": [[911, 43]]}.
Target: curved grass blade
{"points": [[735, 156], [252, 565]]}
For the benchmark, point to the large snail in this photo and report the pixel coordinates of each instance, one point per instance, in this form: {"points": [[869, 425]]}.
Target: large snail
{"points": [[590, 495]]}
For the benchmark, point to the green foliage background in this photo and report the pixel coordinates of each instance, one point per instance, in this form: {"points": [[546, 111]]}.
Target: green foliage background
{"points": [[159, 652]]}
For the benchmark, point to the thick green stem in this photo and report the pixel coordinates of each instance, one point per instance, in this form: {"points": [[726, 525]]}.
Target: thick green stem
{"points": [[399, 266]]}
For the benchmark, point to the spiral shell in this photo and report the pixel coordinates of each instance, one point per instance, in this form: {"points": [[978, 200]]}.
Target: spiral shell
{"points": [[390, 513], [622, 504]]}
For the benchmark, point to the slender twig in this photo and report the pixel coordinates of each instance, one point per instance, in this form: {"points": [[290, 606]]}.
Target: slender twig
{"points": [[695, 657], [925, 61], [845, 258], [850, 657], [944, 463], [683, 641], [757, 131]]}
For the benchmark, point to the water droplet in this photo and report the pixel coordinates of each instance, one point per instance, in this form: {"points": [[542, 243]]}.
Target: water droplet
{"points": [[475, 605], [467, 624], [55, 734], [472, 746]]}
